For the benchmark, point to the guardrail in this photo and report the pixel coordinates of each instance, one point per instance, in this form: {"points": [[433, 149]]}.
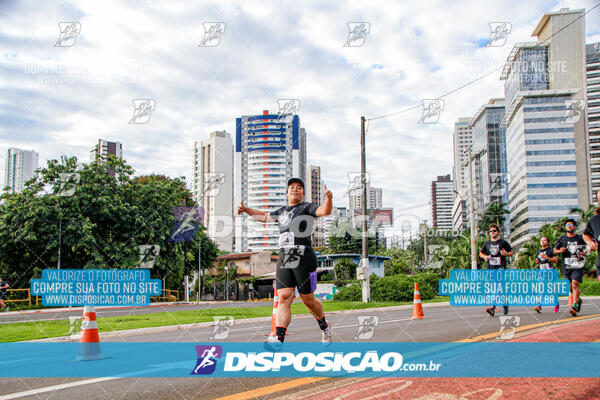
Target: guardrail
{"points": [[167, 295]]}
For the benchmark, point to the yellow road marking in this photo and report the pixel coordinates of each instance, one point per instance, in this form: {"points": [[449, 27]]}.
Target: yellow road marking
{"points": [[527, 327], [279, 387]]}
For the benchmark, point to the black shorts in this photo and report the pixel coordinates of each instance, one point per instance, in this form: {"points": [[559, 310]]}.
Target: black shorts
{"points": [[295, 270], [574, 274]]}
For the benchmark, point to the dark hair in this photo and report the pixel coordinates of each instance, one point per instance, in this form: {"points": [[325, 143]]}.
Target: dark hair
{"points": [[494, 226], [571, 220]]}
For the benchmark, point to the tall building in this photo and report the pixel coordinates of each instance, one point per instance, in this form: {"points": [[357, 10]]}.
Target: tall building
{"points": [[338, 214], [212, 186], [20, 167], [461, 143], [593, 111], [490, 174], [374, 199], [314, 193], [105, 148], [269, 150], [547, 148], [442, 198]]}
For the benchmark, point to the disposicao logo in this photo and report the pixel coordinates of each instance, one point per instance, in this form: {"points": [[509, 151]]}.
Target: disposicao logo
{"points": [[207, 359]]}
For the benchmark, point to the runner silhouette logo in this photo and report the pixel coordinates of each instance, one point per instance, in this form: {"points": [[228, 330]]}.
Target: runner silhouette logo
{"points": [[207, 359]]}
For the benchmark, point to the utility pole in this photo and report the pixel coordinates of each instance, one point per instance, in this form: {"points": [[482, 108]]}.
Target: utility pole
{"points": [[364, 268], [472, 214], [424, 242], [59, 240]]}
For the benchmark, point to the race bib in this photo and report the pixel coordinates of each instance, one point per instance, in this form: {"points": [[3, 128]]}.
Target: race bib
{"points": [[545, 266], [573, 262], [286, 239], [495, 261]]}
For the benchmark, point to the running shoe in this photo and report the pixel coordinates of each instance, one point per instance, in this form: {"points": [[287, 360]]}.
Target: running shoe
{"points": [[326, 336], [505, 310], [538, 309], [491, 310], [579, 303], [6, 309], [273, 344], [556, 307], [573, 311]]}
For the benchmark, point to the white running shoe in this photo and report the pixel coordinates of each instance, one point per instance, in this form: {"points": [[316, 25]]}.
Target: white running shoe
{"points": [[326, 336], [273, 344]]}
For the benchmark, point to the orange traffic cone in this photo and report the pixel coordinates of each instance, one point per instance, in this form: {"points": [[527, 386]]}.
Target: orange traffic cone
{"points": [[417, 306], [570, 299], [89, 343], [274, 315]]}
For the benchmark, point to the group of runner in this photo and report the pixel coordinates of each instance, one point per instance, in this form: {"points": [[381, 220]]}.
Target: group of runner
{"points": [[572, 246]]}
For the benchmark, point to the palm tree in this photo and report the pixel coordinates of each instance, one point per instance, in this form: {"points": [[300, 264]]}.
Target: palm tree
{"points": [[495, 213], [584, 216]]}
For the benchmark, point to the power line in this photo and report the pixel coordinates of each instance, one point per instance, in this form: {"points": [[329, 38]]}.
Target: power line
{"points": [[480, 77]]}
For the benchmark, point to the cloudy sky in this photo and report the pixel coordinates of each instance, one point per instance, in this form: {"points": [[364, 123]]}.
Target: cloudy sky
{"points": [[59, 100]]}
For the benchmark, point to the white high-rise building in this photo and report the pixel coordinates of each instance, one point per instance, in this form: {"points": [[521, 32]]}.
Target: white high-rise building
{"points": [[269, 150], [462, 141], [442, 199], [546, 140], [20, 167], [593, 111], [212, 186]]}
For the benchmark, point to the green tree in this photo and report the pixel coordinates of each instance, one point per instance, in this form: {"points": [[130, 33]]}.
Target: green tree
{"points": [[584, 215], [495, 213], [101, 224], [345, 270]]}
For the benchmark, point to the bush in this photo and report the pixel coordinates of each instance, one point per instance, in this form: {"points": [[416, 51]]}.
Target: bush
{"points": [[325, 277], [590, 287], [352, 292], [392, 288], [345, 269]]}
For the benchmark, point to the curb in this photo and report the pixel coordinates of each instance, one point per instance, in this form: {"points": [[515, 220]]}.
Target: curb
{"points": [[174, 328]]}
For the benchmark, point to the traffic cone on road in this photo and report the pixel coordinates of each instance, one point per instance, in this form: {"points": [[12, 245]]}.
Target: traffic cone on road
{"points": [[89, 342], [274, 315], [417, 306]]}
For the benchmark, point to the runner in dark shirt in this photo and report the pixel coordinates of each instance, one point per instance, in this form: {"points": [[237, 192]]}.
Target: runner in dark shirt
{"points": [[3, 288], [297, 264], [573, 248], [591, 234], [494, 252], [544, 259]]}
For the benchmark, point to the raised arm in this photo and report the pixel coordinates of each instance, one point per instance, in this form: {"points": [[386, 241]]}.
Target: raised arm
{"points": [[257, 215], [325, 208]]}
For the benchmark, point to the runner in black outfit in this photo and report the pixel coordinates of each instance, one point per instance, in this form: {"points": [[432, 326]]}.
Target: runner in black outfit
{"points": [[573, 248], [494, 252], [591, 234], [297, 262], [3, 288], [544, 259]]}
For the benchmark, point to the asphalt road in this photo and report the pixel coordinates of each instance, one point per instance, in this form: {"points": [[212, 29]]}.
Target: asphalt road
{"points": [[442, 323]]}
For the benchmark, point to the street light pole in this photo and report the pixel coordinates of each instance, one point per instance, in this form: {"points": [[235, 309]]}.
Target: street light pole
{"points": [[59, 240], [366, 290], [472, 215], [226, 283]]}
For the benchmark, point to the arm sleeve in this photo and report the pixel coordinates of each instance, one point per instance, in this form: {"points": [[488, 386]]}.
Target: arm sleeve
{"points": [[311, 209], [559, 244], [588, 231], [484, 249], [275, 214]]}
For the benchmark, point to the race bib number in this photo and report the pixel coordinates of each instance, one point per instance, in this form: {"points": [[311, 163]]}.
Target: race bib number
{"points": [[495, 261], [286, 239], [573, 262], [545, 266]]}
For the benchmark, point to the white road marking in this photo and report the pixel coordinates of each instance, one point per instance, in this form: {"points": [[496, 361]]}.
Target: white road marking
{"points": [[46, 389]]}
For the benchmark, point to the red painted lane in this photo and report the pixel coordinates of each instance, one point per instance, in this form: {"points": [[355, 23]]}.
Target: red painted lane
{"points": [[466, 389], [585, 331], [484, 388]]}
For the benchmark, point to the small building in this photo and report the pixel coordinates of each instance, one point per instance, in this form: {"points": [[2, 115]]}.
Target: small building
{"points": [[247, 265], [327, 262]]}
